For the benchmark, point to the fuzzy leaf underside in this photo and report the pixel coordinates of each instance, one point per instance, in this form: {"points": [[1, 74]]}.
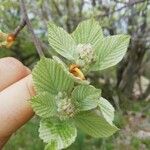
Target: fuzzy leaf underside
{"points": [[44, 105], [88, 32], [61, 41], [86, 96], [94, 125], [110, 51], [62, 133], [49, 76], [106, 109]]}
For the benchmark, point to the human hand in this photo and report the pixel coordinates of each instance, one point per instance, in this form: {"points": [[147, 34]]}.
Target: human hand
{"points": [[15, 90]]}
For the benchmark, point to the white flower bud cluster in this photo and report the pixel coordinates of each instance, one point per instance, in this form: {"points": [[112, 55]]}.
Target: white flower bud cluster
{"points": [[65, 108], [85, 55]]}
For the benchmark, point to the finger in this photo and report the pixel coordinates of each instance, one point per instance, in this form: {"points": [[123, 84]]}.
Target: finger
{"points": [[3, 141], [11, 70], [15, 109]]}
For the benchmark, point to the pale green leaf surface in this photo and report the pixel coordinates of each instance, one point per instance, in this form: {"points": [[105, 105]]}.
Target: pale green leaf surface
{"points": [[59, 61], [106, 109], [63, 133], [94, 125], [50, 76], [51, 146], [86, 96], [61, 41], [44, 105], [79, 81], [66, 69], [88, 32], [110, 51]]}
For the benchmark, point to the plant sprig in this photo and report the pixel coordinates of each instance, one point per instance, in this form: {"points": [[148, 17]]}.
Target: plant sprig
{"points": [[65, 101]]}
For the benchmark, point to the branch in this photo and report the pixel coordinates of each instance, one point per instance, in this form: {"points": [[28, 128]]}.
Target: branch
{"points": [[57, 8], [81, 8], [129, 4], [19, 27], [146, 93], [30, 29]]}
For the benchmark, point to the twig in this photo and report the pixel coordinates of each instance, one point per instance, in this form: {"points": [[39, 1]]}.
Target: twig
{"points": [[117, 1], [121, 8], [29, 26], [19, 27], [146, 93], [57, 8], [81, 8], [128, 5]]}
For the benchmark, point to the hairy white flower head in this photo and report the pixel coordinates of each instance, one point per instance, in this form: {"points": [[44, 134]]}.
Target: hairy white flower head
{"points": [[65, 107], [85, 55]]}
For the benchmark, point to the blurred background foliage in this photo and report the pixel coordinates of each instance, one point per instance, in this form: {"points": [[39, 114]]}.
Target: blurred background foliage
{"points": [[126, 86]]}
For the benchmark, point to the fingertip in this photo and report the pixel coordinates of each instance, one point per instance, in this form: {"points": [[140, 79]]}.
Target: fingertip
{"points": [[30, 87], [11, 70], [14, 65], [28, 71]]}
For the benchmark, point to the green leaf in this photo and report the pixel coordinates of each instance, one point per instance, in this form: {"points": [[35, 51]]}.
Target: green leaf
{"points": [[86, 96], [110, 51], [106, 109], [44, 105], [88, 32], [61, 41], [94, 124], [51, 146], [50, 76], [66, 69], [59, 61], [63, 133], [79, 81]]}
